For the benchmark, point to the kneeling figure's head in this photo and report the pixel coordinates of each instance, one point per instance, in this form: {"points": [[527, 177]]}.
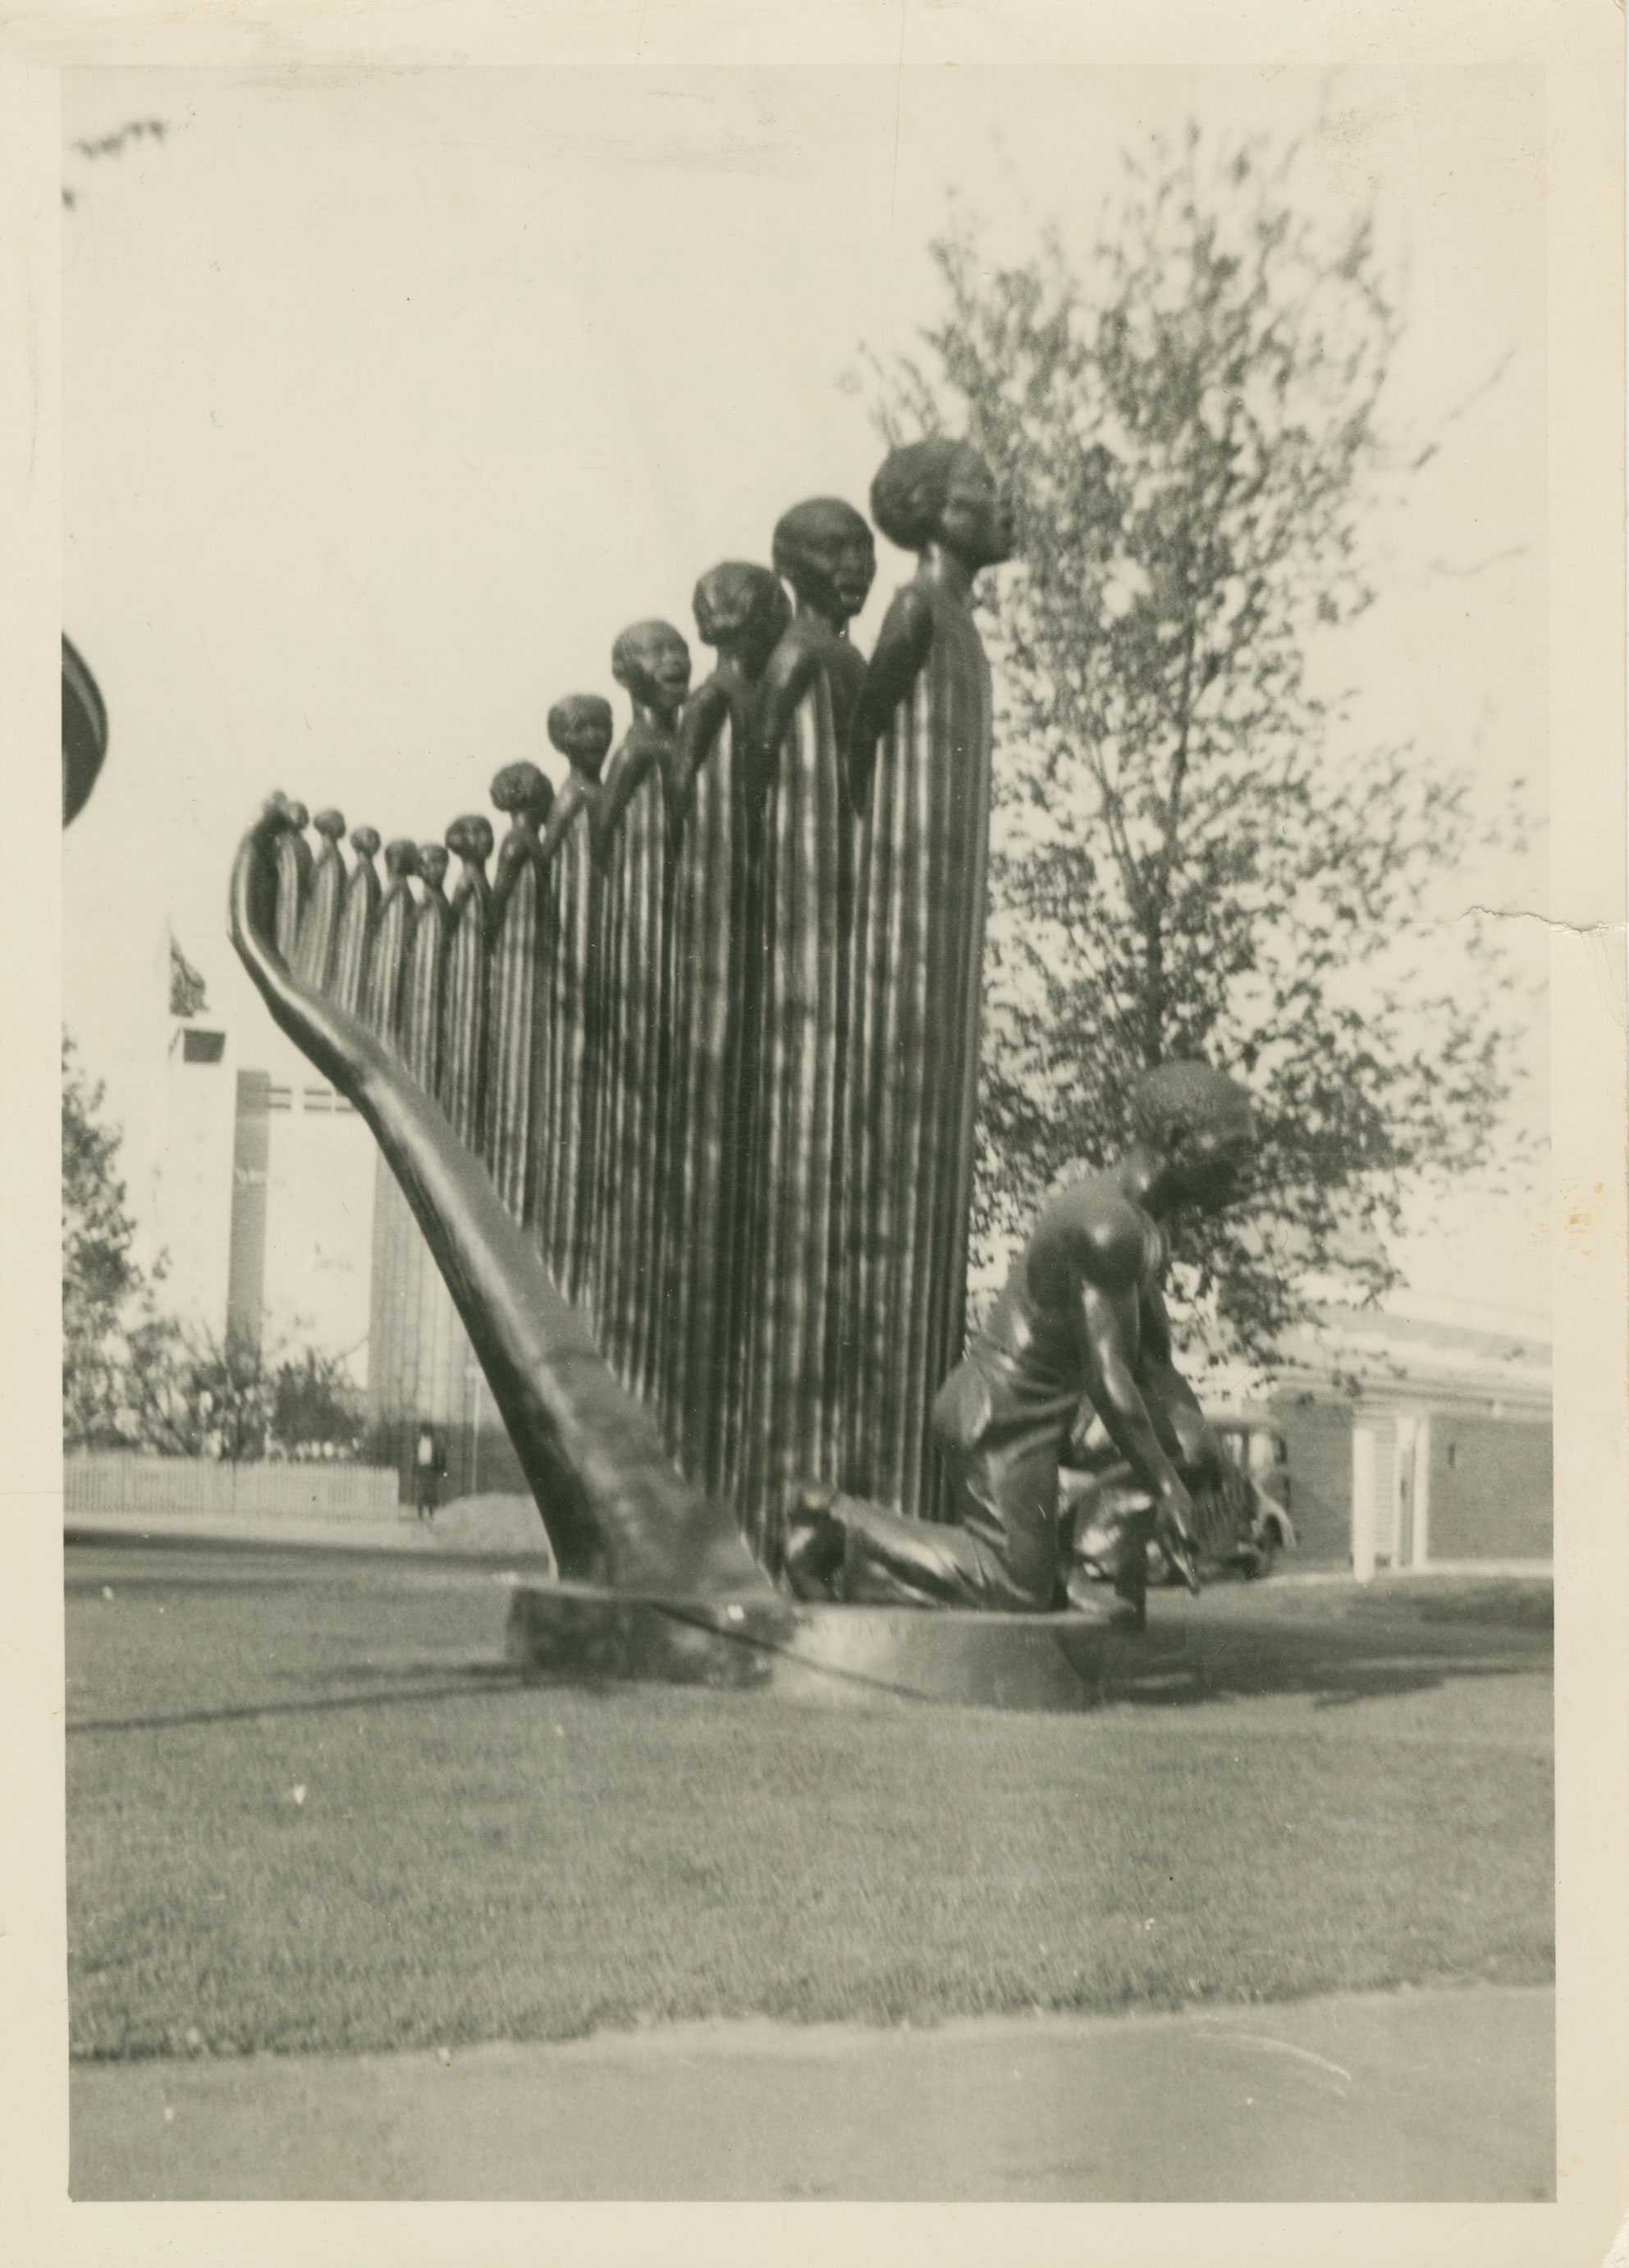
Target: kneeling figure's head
{"points": [[1202, 1124]]}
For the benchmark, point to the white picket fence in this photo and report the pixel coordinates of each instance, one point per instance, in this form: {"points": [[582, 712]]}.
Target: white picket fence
{"points": [[110, 1482]]}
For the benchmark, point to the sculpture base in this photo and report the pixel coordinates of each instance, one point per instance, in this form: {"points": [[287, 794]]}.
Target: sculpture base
{"points": [[837, 1655]]}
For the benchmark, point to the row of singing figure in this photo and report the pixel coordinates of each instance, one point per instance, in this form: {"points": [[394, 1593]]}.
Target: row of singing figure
{"points": [[711, 1019]]}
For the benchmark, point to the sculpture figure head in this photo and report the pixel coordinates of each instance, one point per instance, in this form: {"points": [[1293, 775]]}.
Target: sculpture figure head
{"points": [[581, 727], [651, 662], [742, 611], [365, 841], [279, 813], [1201, 1127], [433, 864], [942, 492], [523, 792], [401, 858], [470, 838], [827, 553], [330, 825]]}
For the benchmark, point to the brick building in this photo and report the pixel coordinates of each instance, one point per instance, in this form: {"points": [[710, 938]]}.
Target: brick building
{"points": [[1415, 1443]]}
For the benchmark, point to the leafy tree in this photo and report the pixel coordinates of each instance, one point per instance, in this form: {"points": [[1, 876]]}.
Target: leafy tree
{"points": [[191, 1392], [1192, 854], [135, 1378], [102, 1282], [197, 1393], [314, 1404]]}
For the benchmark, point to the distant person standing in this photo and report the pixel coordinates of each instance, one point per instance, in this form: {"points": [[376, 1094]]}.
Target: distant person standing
{"points": [[429, 1470]]}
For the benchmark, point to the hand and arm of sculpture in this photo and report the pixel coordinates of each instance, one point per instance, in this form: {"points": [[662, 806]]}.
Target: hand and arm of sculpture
{"points": [[936, 498], [651, 662], [1196, 1137], [641, 754], [742, 612], [573, 806], [527, 796], [704, 720], [580, 727], [1199, 1455], [1109, 1325], [614, 1508], [787, 677], [901, 654], [803, 653], [1198, 1143], [825, 550]]}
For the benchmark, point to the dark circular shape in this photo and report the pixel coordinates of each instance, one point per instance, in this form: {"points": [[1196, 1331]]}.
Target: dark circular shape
{"points": [[522, 787], [84, 732], [470, 836]]}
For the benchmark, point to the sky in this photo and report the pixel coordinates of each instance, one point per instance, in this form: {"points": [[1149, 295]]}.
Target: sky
{"points": [[389, 398]]}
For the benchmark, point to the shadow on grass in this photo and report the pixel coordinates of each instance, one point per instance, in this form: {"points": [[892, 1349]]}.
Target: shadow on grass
{"points": [[1191, 1661], [1337, 1689], [1335, 1666], [479, 1677]]}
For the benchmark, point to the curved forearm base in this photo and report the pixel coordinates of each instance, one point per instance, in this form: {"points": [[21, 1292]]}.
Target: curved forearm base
{"points": [[614, 1509]]}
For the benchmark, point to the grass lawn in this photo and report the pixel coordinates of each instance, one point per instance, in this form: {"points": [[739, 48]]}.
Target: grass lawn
{"points": [[1523, 1602], [307, 1811]]}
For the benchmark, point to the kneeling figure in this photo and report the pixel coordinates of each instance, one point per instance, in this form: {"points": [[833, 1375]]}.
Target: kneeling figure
{"points": [[1082, 1320]]}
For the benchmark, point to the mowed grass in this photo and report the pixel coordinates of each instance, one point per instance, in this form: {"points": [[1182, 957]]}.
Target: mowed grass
{"points": [[467, 1859], [1519, 1602]]}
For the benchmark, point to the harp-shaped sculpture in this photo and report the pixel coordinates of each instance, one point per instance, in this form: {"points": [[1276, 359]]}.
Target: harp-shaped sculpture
{"points": [[678, 1105]]}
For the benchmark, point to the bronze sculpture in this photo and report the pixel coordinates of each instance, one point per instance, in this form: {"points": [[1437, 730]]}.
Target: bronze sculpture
{"points": [[413, 1324], [920, 767], [84, 732], [426, 971], [741, 612], [520, 953], [388, 952], [462, 1093], [825, 550], [294, 878], [1082, 1320], [614, 1508], [580, 727], [800, 950], [461, 972], [652, 661], [392, 930], [706, 1043], [359, 907], [319, 923]]}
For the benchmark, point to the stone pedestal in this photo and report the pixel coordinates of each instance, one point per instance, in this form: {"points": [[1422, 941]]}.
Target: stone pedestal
{"points": [[842, 1656]]}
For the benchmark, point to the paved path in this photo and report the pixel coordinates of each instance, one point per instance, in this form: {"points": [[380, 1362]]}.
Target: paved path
{"points": [[1418, 2096]]}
